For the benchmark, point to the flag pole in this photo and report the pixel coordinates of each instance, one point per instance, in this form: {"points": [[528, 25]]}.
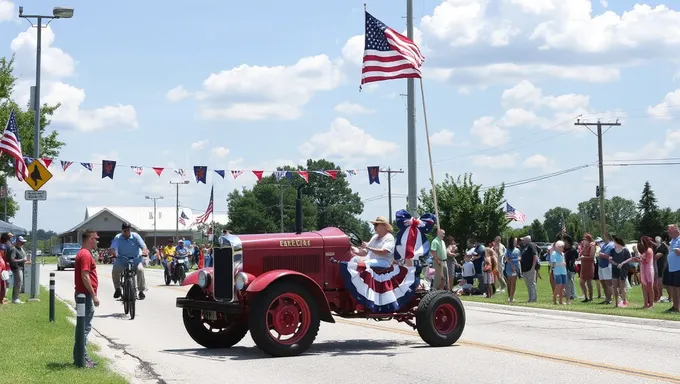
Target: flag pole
{"points": [[429, 153], [362, 68]]}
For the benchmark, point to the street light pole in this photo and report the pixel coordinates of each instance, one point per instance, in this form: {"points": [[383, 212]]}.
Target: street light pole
{"points": [[154, 215], [57, 13], [177, 184]]}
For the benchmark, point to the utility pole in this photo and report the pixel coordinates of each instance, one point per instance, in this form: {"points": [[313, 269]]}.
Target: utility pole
{"points": [[389, 172], [411, 124], [177, 184], [599, 133], [154, 214]]}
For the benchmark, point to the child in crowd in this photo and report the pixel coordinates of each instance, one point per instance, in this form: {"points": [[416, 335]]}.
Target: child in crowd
{"points": [[488, 271], [469, 269]]}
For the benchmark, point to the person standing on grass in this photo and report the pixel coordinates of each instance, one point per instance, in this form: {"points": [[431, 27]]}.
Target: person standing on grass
{"points": [[559, 271], [570, 257], [500, 251], [511, 267], [17, 259], [86, 283], [488, 268], [671, 277], [646, 249], [619, 258], [451, 262], [604, 268], [438, 253], [528, 261], [587, 273], [660, 257]]}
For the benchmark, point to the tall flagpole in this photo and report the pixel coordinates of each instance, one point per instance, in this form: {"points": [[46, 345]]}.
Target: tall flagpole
{"points": [[411, 126], [429, 153]]}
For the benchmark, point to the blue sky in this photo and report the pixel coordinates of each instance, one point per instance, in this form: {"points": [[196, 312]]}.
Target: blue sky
{"points": [[262, 84]]}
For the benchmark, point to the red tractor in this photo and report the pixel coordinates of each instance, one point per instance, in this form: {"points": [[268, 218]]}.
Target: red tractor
{"points": [[281, 286]]}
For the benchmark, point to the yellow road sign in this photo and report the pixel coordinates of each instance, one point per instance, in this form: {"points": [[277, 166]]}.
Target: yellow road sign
{"points": [[38, 175]]}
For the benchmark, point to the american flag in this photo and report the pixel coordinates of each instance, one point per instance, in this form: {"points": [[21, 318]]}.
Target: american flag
{"points": [[388, 55], [204, 217], [564, 230], [182, 218], [10, 144], [513, 214]]}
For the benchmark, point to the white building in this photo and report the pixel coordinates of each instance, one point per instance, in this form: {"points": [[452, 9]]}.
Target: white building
{"points": [[107, 222]]}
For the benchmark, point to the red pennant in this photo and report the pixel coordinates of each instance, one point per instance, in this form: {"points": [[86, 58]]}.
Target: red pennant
{"points": [[332, 173], [158, 170], [304, 175], [258, 174], [46, 161]]}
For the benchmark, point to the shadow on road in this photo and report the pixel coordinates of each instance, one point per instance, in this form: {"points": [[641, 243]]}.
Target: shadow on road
{"points": [[331, 348], [113, 315]]}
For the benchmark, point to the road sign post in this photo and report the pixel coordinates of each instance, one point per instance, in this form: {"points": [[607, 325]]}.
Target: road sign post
{"points": [[38, 175], [35, 195]]}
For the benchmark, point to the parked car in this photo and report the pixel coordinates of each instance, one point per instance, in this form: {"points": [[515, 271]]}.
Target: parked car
{"points": [[67, 259]]}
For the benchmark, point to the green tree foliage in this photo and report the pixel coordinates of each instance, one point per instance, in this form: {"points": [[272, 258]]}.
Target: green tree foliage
{"points": [[649, 221], [49, 142], [538, 232], [620, 216], [554, 219], [465, 211]]}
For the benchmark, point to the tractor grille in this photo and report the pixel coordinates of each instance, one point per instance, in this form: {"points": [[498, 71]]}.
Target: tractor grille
{"points": [[223, 274], [300, 263]]}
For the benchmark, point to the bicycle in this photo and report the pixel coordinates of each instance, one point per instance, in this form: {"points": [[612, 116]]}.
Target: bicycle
{"points": [[128, 283]]}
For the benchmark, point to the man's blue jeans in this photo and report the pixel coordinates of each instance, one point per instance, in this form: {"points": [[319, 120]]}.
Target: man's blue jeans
{"points": [[89, 314]]}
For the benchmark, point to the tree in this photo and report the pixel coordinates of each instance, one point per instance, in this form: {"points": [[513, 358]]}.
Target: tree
{"points": [[464, 211], [620, 216], [537, 232], [574, 227], [49, 143], [555, 218], [649, 219]]}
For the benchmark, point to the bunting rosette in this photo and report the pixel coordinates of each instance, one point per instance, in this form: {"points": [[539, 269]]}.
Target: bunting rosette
{"points": [[411, 241]]}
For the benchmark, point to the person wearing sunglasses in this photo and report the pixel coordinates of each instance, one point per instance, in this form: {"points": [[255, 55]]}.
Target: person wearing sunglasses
{"points": [[128, 245]]}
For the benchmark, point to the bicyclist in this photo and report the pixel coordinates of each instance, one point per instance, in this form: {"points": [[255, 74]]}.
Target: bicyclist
{"points": [[128, 245]]}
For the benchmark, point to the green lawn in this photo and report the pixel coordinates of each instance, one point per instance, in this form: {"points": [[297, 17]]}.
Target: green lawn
{"points": [[37, 351], [47, 259], [634, 309]]}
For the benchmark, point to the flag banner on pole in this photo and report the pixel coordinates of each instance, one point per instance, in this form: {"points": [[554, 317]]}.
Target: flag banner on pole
{"points": [[11, 145], [182, 218], [514, 215], [204, 217], [388, 55]]}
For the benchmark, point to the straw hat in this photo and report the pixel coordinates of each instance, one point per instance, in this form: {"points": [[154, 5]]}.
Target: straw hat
{"points": [[382, 220]]}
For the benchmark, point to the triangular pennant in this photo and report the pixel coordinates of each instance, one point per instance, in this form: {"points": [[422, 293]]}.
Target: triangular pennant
{"points": [[65, 164], [278, 175], [220, 172], [108, 168], [88, 166], [138, 170], [200, 173], [158, 170], [332, 173], [181, 172], [236, 173], [304, 175], [47, 162], [351, 172], [258, 174]]}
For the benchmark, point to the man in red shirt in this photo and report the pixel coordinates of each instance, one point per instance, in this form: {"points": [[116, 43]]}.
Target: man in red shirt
{"points": [[86, 282]]}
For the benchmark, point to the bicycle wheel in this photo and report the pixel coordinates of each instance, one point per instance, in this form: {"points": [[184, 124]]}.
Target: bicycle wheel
{"points": [[132, 297], [124, 297]]}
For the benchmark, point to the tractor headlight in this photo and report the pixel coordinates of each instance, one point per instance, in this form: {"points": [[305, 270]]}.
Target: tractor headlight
{"points": [[203, 279], [240, 281]]}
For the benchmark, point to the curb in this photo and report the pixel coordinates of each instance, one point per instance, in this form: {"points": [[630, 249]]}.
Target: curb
{"points": [[669, 324]]}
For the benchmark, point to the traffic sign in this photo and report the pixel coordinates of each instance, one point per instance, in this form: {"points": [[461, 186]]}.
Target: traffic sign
{"points": [[35, 195], [38, 175]]}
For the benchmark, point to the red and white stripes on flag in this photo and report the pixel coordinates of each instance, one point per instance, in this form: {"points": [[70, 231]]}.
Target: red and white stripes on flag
{"points": [[11, 145], [388, 55], [209, 211]]}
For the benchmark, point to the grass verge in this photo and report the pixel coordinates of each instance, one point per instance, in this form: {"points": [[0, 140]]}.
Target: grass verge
{"points": [[37, 351], [635, 301]]}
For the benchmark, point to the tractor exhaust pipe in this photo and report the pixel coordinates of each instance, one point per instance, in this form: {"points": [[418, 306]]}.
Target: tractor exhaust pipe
{"points": [[298, 210]]}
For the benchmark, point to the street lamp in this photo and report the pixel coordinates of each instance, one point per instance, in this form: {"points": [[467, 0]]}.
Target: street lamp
{"points": [[57, 13], [177, 184], [154, 215]]}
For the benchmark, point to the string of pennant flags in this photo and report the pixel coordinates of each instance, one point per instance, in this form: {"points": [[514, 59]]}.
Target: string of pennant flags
{"points": [[200, 172]]}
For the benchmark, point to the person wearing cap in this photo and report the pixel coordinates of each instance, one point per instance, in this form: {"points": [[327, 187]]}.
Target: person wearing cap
{"points": [[17, 259], [128, 245], [379, 251], [86, 283]]}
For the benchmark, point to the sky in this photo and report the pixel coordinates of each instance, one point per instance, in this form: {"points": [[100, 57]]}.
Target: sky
{"points": [[152, 85]]}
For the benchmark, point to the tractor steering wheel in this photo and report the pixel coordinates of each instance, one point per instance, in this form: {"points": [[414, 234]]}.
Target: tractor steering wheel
{"points": [[354, 238]]}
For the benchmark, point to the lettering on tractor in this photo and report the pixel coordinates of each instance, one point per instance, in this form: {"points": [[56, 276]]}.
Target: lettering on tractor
{"points": [[280, 288]]}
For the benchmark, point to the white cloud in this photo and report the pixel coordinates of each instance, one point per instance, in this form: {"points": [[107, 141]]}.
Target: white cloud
{"points": [[199, 145], [489, 133], [7, 10], [220, 151], [353, 50], [665, 109], [57, 65], [346, 142], [504, 161], [177, 94], [538, 161], [348, 108], [278, 92], [442, 138]]}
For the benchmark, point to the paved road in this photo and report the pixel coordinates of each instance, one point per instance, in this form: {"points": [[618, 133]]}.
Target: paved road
{"points": [[497, 347]]}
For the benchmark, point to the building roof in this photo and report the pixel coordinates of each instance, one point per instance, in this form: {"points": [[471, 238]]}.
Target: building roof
{"points": [[141, 218]]}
